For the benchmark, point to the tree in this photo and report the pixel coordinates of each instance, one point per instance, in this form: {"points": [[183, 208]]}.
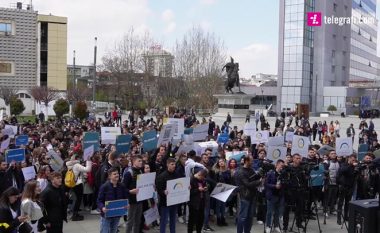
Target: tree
{"points": [[61, 107], [78, 93], [80, 110], [16, 106], [7, 94], [44, 95], [331, 109]]}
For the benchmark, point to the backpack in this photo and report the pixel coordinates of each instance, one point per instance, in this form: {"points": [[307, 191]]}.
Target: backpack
{"points": [[70, 179]]}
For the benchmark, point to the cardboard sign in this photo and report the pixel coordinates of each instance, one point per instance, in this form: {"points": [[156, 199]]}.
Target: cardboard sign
{"points": [[201, 147], [116, 208], [5, 144], [145, 184], [56, 162], [109, 134], [151, 215], [16, 155], [260, 137], [22, 140], [179, 126], [276, 141], [10, 130], [222, 191], [166, 134], [289, 136], [249, 129], [149, 140], [88, 152], [200, 132], [344, 146], [276, 152], [223, 138], [91, 138], [178, 191], [29, 173], [123, 143], [300, 145]]}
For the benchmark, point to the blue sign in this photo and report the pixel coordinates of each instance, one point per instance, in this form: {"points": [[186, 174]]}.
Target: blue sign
{"points": [[123, 143], [223, 138], [116, 208], [362, 150], [16, 155], [22, 140], [150, 140], [365, 101], [188, 131], [317, 176], [91, 138]]}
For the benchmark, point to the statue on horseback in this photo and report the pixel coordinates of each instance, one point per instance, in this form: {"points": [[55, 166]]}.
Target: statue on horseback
{"points": [[232, 70]]}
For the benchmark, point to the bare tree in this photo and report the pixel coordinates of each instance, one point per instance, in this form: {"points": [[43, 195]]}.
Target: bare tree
{"points": [[78, 93], [44, 95], [7, 93]]}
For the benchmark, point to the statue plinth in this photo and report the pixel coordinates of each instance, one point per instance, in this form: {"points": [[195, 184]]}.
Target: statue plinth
{"points": [[235, 104]]}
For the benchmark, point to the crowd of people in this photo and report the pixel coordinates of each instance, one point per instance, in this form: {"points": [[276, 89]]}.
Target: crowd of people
{"points": [[266, 190]]}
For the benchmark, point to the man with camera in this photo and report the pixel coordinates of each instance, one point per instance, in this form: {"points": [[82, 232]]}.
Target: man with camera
{"points": [[368, 179]]}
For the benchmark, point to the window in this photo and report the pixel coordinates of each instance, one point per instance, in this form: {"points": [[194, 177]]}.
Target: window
{"points": [[344, 53], [5, 68], [5, 28], [343, 68], [332, 69], [334, 36], [335, 6], [333, 53], [344, 38]]}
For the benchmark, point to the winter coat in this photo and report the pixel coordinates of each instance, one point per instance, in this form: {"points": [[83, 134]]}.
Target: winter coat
{"points": [[78, 170]]}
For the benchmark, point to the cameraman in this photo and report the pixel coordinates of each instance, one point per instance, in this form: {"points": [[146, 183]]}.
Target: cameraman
{"points": [[346, 178], [368, 179], [297, 189]]}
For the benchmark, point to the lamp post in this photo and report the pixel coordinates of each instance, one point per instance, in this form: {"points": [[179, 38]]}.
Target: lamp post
{"points": [[94, 78], [262, 96], [74, 77]]}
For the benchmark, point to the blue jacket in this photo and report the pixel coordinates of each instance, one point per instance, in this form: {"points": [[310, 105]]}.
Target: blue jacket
{"points": [[109, 193], [270, 186]]}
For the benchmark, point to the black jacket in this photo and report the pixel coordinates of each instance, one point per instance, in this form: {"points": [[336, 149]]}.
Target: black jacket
{"points": [[130, 180], [161, 181], [245, 178], [347, 175], [55, 204], [197, 198], [6, 217]]}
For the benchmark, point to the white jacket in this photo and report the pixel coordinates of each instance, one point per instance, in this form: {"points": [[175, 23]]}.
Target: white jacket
{"points": [[78, 169], [189, 165]]}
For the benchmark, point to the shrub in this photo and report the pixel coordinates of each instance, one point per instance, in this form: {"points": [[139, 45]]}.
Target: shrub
{"points": [[61, 107]]}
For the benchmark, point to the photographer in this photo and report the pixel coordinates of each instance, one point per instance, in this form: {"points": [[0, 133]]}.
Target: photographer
{"points": [[297, 189], [331, 186], [368, 179]]}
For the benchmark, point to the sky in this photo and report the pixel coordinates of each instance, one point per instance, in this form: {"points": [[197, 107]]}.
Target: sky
{"points": [[249, 28]]}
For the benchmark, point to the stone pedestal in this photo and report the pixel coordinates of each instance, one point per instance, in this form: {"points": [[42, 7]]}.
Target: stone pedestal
{"points": [[235, 104]]}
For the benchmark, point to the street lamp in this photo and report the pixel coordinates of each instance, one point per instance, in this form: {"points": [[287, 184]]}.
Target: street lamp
{"points": [[262, 96], [94, 78], [74, 77]]}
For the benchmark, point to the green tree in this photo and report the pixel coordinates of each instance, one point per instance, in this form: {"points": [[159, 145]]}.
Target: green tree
{"points": [[17, 106], [80, 110], [331, 109], [61, 107]]}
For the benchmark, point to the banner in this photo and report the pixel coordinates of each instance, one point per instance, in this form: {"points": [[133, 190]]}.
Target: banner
{"points": [[5, 144], [362, 150], [91, 138], [166, 134], [16, 155], [260, 137], [151, 215], [149, 140], [223, 138], [200, 132], [123, 143], [300, 145], [237, 155], [317, 175], [56, 162], [179, 126], [276, 152], [276, 141], [222, 191], [343, 146], [116, 208], [178, 191], [200, 148], [289, 136], [22, 140], [249, 129], [10, 130], [109, 134], [88, 152], [145, 185], [29, 173]]}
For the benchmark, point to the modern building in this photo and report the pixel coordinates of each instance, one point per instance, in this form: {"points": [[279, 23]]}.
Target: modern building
{"points": [[159, 62], [259, 79], [83, 74], [324, 64]]}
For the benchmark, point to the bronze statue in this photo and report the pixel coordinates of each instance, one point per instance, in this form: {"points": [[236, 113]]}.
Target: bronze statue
{"points": [[232, 70]]}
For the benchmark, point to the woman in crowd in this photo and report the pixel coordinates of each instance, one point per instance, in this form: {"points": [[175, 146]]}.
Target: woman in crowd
{"points": [[42, 176], [29, 205], [10, 217], [232, 203], [222, 175], [331, 128]]}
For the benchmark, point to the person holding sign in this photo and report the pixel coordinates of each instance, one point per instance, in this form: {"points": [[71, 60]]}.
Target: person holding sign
{"points": [[197, 201], [166, 211], [110, 191]]}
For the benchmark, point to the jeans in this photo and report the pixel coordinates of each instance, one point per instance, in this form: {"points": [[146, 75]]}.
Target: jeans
{"points": [[78, 190], [274, 207], [109, 225], [245, 219], [220, 209], [207, 209], [171, 212], [134, 217], [195, 219]]}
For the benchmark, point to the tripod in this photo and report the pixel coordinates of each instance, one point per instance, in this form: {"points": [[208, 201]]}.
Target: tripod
{"points": [[314, 207]]}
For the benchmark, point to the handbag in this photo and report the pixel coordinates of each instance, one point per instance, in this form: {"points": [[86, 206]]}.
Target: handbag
{"points": [[25, 228]]}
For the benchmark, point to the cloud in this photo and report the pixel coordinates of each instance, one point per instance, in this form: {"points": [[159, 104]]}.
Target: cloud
{"points": [[168, 15], [256, 58], [205, 25], [170, 27], [208, 2]]}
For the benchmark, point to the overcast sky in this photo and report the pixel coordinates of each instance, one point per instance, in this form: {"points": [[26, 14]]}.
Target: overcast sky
{"points": [[249, 28]]}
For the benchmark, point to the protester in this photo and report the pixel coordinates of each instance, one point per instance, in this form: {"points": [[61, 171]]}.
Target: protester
{"points": [[197, 201], [10, 217], [30, 206]]}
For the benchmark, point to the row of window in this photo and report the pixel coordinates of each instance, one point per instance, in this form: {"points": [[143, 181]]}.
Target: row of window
{"points": [[363, 47], [297, 66], [363, 5], [360, 31], [338, 101], [362, 74], [363, 61]]}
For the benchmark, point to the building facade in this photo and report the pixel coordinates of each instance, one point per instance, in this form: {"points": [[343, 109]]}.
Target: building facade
{"points": [[159, 62], [82, 74]]}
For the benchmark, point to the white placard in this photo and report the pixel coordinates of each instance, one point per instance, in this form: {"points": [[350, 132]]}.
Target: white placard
{"points": [[145, 185], [276, 152], [200, 132], [188, 139], [88, 152], [178, 191], [151, 215], [108, 134], [222, 191], [179, 126], [300, 145], [29, 173], [56, 162], [289, 136], [344, 146], [249, 129], [5, 144], [166, 134], [276, 141], [200, 147], [10, 130], [49, 147], [260, 137]]}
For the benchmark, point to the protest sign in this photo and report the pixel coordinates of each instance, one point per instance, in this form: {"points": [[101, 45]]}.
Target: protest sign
{"points": [[151, 215], [223, 138], [149, 140], [260, 137], [91, 138], [317, 175], [276, 141], [56, 162], [300, 145], [109, 134], [166, 134], [249, 129], [188, 131], [362, 150], [10, 130], [236, 155], [116, 208], [5, 144], [16, 155], [289, 136], [179, 126], [187, 139], [22, 140], [200, 132], [276, 152], [123, 143], [344, 146], [200, 147], [145, 185], [88, 152], [178, 191], [222, 191], [29, 173]]}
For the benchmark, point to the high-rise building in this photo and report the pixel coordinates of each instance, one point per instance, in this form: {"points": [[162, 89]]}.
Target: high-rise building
{"points": [[319, 65], [159, 62]]}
